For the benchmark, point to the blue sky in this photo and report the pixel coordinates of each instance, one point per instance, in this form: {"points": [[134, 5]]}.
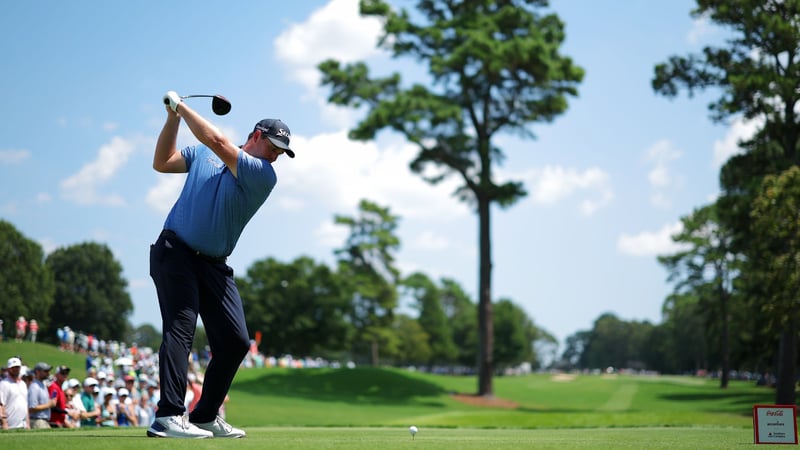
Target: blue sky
{"points": [[608, 181]]}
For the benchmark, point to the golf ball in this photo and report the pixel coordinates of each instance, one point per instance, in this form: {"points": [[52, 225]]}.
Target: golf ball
{"points": [[412, 429]]}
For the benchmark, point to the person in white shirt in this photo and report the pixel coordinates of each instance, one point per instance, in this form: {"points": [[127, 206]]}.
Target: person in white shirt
{"points": [[14, 398]]}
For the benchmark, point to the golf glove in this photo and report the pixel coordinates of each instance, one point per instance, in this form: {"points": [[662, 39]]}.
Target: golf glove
{"points": [[172, 99]]}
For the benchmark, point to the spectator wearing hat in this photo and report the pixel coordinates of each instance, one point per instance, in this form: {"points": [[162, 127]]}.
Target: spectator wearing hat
{"points": [[58, 414], [75, 409], [126, 413], [90, 389], [13, 397], [108, 409], [39, 401]]}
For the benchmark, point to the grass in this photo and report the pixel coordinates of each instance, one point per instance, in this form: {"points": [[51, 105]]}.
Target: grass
{"points": [[368, 408]]}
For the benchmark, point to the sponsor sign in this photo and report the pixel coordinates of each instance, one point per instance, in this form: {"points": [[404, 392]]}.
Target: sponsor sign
{"points": [[775, 424]]}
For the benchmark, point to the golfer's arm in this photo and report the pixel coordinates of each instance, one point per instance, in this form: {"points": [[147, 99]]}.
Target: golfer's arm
{"points": [[210, 135], [167, 158]]}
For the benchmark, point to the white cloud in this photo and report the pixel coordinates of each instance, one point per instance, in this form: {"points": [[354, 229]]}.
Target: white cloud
{"points": [[553, 184], [330, 235], [82, 187], [43, 197], [162, 196], [661, 155], [651, 243], [740, 130], [334, 31], [48, 245], [429, 240], [701, 29], [334, 171], [13, 156]]}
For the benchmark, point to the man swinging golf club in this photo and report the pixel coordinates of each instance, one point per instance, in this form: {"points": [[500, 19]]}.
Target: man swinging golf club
{"points": [[225, 186]]}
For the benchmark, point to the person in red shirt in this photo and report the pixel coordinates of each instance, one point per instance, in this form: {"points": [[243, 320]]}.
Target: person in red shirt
{"points": [[58, 414], [22, 326]]}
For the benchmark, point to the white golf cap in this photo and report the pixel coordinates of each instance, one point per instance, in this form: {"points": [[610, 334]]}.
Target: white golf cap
{"points": [[13, 362], [123, 391]]}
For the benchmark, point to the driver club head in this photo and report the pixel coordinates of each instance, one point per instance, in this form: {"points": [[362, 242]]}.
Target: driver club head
{"points": [[220, 105]]}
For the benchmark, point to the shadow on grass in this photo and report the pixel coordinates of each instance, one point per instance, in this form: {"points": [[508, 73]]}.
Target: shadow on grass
{"points": [[722, 401], [362, 385]]}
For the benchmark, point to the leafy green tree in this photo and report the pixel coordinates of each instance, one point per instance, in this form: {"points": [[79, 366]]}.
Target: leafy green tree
{"points": [[367, 263], [776, 228], [574, 347], [515, 334], [683, 344], [145, 335], [432, 318], [756, 75], [616, 343], [91, 294], [300, 307], [494, 67], [706, 267], [460, 312], [27, 282], [413, 343]]}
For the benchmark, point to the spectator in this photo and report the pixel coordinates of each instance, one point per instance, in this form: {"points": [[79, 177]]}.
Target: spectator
{"points": [[39, 401], [13, 397], [76, 410], [1, 330], [87, 398], [26, 374], [130, 385], [126, 414], [22, 325], [144, 411], [58, 414], [34, 329], [108, 410]]}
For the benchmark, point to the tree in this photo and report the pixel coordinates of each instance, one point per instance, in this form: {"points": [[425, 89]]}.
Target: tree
{"points": [[300, 308], [514, 335], [494, 67], [706, 267], [756, 74], [145, 335], [90, 292], [366, 262], [460, 312], [27, 282], [432, 318], [776, 227], [413, 343]]}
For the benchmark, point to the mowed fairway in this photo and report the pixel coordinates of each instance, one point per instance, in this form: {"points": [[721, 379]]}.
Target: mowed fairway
{"points": [[368, 408], [360, 438]]}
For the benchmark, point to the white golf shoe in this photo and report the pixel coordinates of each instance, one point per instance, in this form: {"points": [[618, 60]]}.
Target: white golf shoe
{"points": [[176, 427], [219, 428]]}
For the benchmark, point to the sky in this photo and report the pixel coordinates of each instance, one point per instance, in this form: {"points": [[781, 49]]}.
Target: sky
{"points": [[607, 182]]}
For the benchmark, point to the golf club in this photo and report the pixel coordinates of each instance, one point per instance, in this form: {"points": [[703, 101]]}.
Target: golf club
{"points": [[219, 104]]}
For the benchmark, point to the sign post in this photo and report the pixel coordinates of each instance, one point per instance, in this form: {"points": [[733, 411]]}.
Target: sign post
{"points": [[774, 424]]}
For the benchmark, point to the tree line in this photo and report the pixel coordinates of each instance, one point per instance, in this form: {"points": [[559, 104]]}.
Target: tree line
{"points": [[361, 309]]}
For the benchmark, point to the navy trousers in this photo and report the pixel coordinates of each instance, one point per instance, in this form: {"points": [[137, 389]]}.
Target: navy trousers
{"points": [[188, 285]]}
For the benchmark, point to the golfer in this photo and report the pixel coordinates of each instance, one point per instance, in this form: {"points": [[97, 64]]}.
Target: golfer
{"points": [[224, 188]]}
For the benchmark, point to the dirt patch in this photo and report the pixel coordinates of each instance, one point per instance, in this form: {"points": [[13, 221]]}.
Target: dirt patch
{"points": [[488, 402], [562, 377]]}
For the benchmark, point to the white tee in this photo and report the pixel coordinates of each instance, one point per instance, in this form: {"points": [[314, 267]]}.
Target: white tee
{"points": [[14, 398]]}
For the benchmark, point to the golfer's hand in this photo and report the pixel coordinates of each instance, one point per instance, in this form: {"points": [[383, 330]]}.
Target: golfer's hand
{"points": [[172, 100]]}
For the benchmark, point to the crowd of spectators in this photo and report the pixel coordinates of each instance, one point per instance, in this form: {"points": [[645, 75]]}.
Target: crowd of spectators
{"points": [[120, 387]]}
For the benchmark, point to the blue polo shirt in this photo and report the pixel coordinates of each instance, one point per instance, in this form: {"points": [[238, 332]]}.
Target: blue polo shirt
{"points": [[214, 206]]}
